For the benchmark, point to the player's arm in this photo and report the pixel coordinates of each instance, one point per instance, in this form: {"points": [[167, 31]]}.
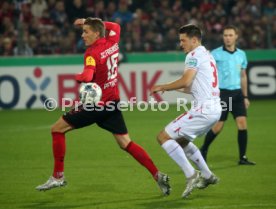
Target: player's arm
{"points": [[184, 82], [86, 75], [184, 90], [113, 31], [244, 87], [88, 70]]}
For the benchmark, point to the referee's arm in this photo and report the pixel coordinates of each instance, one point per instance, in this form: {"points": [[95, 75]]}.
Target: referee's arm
{"points": [[244, 87]]}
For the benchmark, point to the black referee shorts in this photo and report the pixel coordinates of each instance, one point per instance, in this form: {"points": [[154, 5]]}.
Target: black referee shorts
{"points": [[232, 101], [108, 117]]}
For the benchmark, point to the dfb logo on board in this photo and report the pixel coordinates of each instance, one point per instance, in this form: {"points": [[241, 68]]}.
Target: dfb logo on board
{"points": [[11, 100]]}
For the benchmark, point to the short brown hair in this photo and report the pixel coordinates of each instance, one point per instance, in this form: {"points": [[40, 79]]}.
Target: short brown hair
{"points": [[191, 31], [229, 27], [96, 25]]}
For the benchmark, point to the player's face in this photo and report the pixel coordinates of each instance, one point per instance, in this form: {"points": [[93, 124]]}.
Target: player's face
{"points": [[186, 43], [229, 37], [89, 36]]}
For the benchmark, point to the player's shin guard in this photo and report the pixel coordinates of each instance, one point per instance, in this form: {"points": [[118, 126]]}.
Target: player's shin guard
{"points": [[59, 153], [142, 157]]}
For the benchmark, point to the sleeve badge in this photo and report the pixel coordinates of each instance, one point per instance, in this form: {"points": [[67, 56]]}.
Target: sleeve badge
{"points": [[90, 61], [191, 62]]}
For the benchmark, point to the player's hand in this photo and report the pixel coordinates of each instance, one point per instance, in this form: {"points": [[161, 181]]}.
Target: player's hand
{"points": [[246, 103], [156, 89], [79, 22], [78, 78]]}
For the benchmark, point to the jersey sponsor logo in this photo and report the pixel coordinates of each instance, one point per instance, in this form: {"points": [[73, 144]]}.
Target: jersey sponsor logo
{"points": [[110, 84], [191, 62], [90, 61]]}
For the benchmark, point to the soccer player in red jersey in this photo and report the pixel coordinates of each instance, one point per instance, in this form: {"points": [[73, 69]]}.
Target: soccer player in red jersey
{"points": [[101, 67]]}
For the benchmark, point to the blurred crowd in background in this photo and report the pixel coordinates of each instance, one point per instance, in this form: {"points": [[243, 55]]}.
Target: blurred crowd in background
{"points": [[45, 27]]}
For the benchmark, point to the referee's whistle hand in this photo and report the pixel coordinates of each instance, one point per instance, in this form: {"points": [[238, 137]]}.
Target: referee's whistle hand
{"points": [[246, 103]]}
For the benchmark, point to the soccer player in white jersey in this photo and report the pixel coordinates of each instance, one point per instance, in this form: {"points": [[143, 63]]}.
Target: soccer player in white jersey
{"points": [[201, 81]]}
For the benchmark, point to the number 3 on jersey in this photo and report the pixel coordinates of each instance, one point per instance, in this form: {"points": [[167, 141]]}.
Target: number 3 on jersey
{"points": [[215, 74], [112, 66]]}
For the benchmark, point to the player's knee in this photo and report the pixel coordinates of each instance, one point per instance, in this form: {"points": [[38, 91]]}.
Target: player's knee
{"points": [[242, 124], [123, 146], [242, 127], [56, 129], [161, 137], [61, 126], [123, 141], [158, 139], [217, 128]]}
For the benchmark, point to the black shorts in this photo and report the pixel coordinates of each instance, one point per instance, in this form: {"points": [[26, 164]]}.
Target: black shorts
{"points": [[232, 101], [108, 117]]}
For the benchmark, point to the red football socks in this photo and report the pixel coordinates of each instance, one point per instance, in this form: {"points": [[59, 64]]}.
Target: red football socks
{"points": [[134, 149], [59, 153], [142, 157]]}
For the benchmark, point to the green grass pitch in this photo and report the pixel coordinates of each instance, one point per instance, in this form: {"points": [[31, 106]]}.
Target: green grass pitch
{"points": [[102, 176]]}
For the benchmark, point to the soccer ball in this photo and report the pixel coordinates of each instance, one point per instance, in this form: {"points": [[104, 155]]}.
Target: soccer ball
{"points": [[90, 93]]}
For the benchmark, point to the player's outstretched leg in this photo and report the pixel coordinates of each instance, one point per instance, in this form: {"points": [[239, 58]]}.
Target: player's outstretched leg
{"points": [[175, 151], [144, 159], [57, 179]]}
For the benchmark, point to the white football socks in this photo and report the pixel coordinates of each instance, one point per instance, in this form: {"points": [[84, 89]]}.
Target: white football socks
{"points": [[175, 151], [193, 153]]}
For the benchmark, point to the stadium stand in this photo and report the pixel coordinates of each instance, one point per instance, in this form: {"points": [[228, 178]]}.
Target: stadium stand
{"points": [[41, 27]]}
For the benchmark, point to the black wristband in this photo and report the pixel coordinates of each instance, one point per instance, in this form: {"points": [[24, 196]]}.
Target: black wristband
{"points": [[245, 97]]}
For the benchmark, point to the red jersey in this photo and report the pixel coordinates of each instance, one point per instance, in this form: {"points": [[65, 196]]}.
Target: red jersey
{"points": [[101, 63]]}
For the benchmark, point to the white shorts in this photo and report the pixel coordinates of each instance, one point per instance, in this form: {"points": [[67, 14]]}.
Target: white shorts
{"points": [[192, 124]]}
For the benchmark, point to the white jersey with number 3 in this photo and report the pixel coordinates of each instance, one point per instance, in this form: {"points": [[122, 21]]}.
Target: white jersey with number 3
{"points": [[205, 83], [206, 108]]}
